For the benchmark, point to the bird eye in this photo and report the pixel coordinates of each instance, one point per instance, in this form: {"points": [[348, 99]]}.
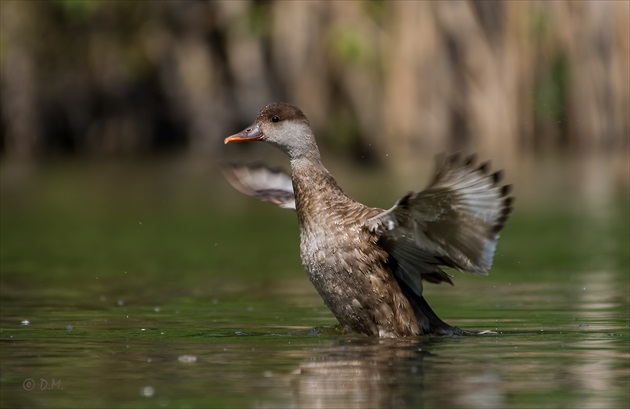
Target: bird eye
{"points": [[275, 118]]}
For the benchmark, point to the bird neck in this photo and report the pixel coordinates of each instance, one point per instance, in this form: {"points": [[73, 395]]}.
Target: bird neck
{"points": [[306, 152], [314, 187]]}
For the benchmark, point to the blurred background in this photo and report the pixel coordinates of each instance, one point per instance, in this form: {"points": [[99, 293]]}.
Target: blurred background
{"points": [[114, 113], [85, 78]]}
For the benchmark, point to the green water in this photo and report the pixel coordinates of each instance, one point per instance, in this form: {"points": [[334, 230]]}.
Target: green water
{"points": [[156, 285]]}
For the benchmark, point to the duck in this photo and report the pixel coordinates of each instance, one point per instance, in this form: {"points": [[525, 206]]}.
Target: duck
{"points": [[369, 264]]}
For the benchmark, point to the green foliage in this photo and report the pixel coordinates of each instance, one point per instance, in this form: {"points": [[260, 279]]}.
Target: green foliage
{"points": [[349, 46], [80, 9], [376, 9], [259, 19], [551, 92]]}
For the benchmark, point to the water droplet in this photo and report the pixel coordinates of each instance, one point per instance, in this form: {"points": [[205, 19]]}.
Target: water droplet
{"points": [[147, 391], [25, 322], [69, 327], [187, 359]]}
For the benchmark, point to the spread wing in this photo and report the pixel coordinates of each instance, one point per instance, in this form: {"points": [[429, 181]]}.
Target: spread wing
{"points": [[454, 222], [263, 183]]}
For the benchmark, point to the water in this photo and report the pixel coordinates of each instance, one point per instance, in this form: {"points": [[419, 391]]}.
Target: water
{"points": [[172, 294], [233, 352]]}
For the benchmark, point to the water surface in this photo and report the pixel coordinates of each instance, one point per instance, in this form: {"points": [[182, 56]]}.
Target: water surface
{"points": [[145, 287]]}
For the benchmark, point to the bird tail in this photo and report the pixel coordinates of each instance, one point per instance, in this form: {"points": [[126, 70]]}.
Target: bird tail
{"points": [[428, 321]]}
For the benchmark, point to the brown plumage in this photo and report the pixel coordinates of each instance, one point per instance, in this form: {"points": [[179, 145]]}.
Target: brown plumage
{"points": [[366, 263]]}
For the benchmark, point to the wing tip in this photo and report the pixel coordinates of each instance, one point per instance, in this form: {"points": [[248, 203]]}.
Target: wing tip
{"points": [[261, 182]]}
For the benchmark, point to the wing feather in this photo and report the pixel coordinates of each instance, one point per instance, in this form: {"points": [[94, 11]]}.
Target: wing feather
{"points": [[261, 182], [454, 222]]}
